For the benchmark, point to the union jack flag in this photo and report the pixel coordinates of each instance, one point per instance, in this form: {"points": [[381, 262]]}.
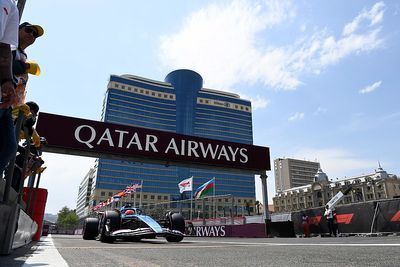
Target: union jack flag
{"points": [[132, 188]]}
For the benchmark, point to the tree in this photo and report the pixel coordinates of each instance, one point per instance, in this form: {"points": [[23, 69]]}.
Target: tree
{"points": [[67, 217]]}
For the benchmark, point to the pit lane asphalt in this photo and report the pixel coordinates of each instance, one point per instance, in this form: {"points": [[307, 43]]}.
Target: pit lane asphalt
{"points": [[316, 251]]}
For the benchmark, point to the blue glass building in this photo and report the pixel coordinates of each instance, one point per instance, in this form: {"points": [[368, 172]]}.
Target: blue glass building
{"points": [[179, 105]]}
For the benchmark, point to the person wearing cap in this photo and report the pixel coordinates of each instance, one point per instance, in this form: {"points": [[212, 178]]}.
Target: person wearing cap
{"points": [[21, 67], [9, 20]]}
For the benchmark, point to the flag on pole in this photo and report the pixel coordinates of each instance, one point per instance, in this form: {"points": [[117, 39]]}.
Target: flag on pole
{"points": [[186, 185], [118, 196], [132, 188], [205, 189]]}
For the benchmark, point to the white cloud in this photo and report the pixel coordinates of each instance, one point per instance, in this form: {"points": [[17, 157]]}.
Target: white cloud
{"points": [[370, 88], [320, 110], [296, 116], [337, 162], [373, 16], [256, 103], [222, 42]]}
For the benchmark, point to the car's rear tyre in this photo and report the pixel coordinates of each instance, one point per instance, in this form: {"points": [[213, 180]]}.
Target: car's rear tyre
{"points": [[176, 222], [114, 219], [90, 228]]}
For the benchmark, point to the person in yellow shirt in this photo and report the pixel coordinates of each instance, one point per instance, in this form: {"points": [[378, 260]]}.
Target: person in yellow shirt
{"points": [[27, 34]]}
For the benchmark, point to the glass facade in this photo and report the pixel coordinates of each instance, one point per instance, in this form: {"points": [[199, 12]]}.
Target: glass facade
{"points": [[180, 105]]}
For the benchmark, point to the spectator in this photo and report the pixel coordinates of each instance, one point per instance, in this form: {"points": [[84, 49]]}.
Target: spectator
{"points": [[9, 19], [335, 223], [330, 219], [21, 67], [305, 221]]}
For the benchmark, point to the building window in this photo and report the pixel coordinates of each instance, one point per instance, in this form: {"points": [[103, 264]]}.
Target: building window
{"points": [[152, 197], [123, 86], [145, 196], [159, 197], [102, 193], [110, 194], [165, 198]]}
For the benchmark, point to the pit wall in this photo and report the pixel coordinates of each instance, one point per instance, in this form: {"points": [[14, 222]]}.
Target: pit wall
{"points": [[367, 217], [38, 198], [26, 229]]}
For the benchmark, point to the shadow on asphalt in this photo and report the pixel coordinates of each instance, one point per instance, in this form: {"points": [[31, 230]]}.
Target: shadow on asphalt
{"points": [[18, 256]]}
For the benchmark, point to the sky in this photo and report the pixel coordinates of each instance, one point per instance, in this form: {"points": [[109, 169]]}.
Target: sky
{"points": [[322, 76]]}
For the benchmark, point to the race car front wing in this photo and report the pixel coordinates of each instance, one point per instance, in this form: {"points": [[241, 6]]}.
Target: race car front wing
{"points": [[145, 232]]}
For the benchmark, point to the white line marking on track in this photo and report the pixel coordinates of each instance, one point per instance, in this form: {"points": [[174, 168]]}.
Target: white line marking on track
{"points": [[46, 254], [303, 244], [222, 244]]}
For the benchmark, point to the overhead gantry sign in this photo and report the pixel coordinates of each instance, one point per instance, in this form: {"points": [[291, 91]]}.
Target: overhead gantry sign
{"points": [[75, 136]]}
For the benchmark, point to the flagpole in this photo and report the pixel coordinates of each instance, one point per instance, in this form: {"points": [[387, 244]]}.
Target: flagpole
{"points": [[215, 212], [191, 200], [141, 193]]}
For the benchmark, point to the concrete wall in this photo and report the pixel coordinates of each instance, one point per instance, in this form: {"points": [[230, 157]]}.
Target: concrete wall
{"points": [[26, 229], [12, 217]]}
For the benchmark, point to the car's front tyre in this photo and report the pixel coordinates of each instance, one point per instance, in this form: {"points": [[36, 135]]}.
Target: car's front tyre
{"points": [[113, 219], [176, 222], [90, 228]]}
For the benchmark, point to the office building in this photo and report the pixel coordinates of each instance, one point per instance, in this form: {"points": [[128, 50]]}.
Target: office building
{"points": [[293, 173], [180, 105], [84, 193]]}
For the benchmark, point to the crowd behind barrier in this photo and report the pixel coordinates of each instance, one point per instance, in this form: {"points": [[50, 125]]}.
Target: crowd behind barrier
{"points": [[25, 158]]}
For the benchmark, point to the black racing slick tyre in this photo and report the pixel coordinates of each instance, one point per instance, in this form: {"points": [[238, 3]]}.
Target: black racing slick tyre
{"points": [[113, 219], [176, 222], [90, 228]]}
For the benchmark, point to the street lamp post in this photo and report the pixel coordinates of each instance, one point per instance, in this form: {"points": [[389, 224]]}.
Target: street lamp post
{"points": [[264, 177]]}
